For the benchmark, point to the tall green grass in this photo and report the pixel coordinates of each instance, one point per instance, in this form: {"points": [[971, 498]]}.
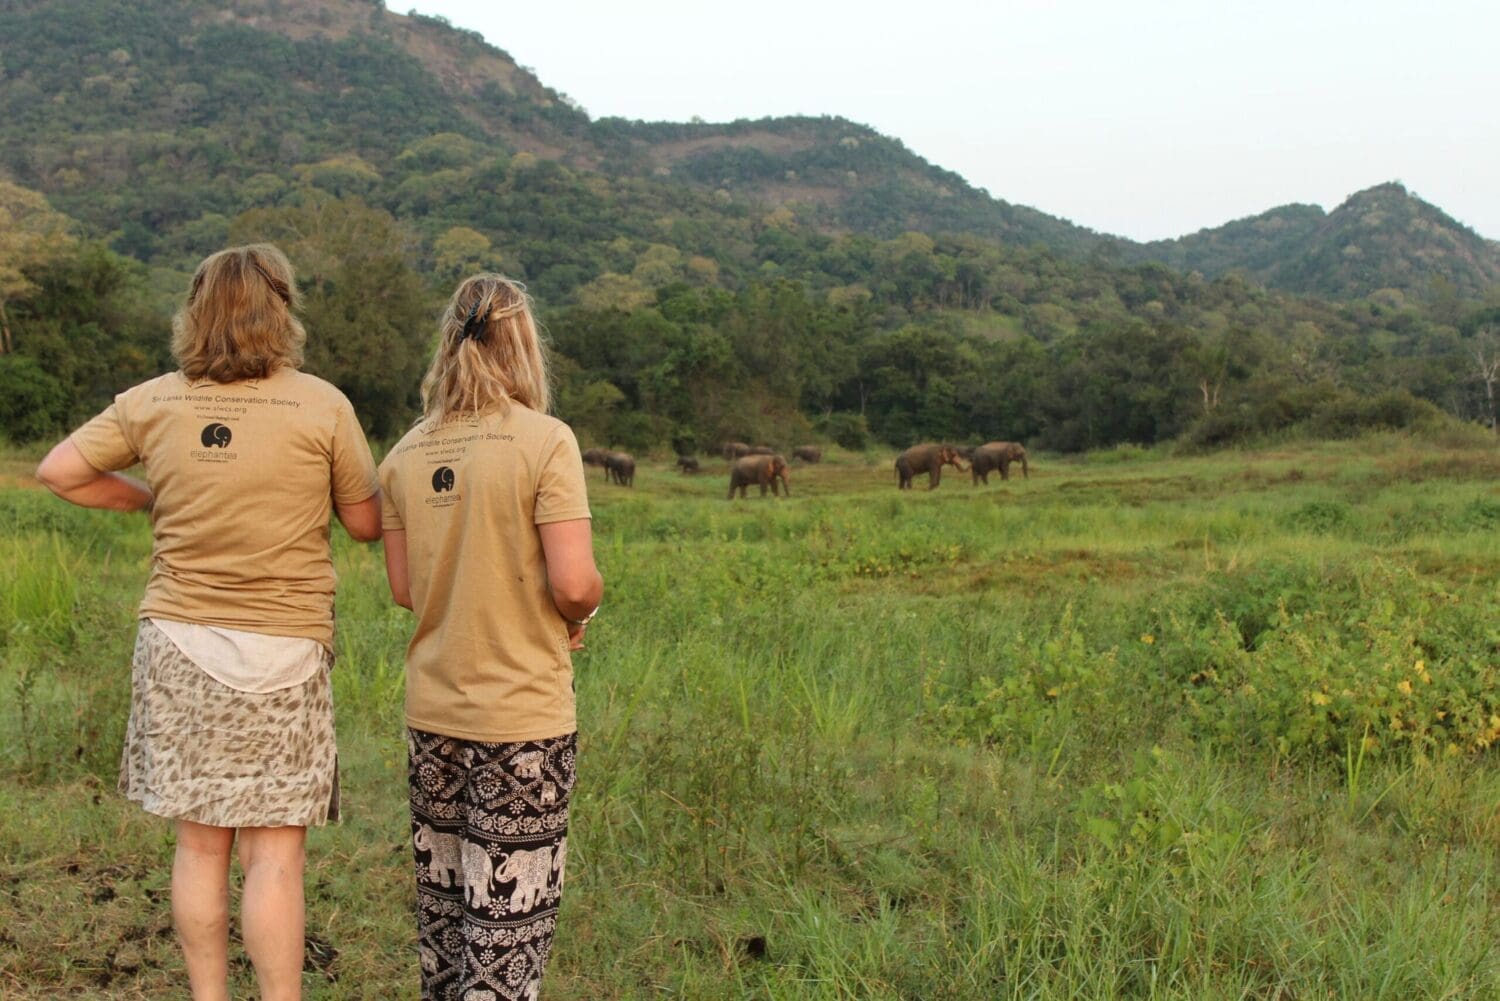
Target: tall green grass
{"points": [[1138, 727]]}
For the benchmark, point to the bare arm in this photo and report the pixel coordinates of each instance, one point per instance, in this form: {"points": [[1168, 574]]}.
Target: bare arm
{"points": [[572, 576], [68, 475], [361, 520], [395, 567]]}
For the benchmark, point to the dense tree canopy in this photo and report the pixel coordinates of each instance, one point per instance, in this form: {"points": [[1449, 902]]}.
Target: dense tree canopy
{"points": [[758, 279]]}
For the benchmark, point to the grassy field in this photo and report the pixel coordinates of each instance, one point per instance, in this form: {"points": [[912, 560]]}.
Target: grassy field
{"points": [[1138, 727]]}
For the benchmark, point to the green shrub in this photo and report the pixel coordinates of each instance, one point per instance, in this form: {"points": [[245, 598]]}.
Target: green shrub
{"points": [[847, 430], [1321, 410], [1349, 414], [1368, 659], [32, 403]]}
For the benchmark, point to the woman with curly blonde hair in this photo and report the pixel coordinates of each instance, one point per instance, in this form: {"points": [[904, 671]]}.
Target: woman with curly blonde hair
{"points": [[488, 541], [244, 458]]}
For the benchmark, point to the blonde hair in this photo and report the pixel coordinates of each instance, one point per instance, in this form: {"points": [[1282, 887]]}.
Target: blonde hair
{"points": [[237, 322], [489, 352]]}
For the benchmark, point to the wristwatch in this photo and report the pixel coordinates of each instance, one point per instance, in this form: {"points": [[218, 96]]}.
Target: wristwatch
{"points": [[587, 618]]}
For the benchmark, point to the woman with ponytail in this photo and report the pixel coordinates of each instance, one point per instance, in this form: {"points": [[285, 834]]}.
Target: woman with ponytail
{"points": [[488, 541]]}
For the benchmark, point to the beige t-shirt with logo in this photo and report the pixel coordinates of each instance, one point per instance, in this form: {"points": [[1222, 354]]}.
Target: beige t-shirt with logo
{"points": [[245, 475], [489, 659]]}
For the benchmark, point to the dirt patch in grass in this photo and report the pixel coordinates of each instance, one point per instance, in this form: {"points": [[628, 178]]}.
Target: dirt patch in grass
{"points": [[1456, 568], [80, 928], [1038, 573], [1261, 478], [1136, 491], [17, 474], [1459, 466]]}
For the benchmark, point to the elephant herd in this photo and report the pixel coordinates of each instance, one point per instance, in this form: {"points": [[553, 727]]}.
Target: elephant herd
{"points": [[983, 459], [737, 450], [763, 466], [749, 465]]}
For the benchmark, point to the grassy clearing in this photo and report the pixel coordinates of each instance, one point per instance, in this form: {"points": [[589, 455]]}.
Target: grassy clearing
{"points": [[1138, 727]]}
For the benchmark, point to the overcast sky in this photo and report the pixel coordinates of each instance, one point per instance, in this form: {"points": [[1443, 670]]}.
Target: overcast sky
{"points": [[1144, 118]]}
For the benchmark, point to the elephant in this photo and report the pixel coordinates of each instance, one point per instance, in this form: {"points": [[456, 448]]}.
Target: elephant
{"points": [[446, 849], [216, 436], [478, 873], [528, 764], [993, 455], [926, 458], [735, 450], [687, 463], [761, 450], [808, 453], [594, 456], [762, 469], [529, 869], [620, 467]]}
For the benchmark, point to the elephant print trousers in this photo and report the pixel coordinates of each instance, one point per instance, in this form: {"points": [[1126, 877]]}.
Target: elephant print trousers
{"points": [[489, 825]]}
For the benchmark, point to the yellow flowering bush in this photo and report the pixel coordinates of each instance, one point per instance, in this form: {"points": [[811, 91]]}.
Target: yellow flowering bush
{"points": [[1301, 661], [1383, 653]]}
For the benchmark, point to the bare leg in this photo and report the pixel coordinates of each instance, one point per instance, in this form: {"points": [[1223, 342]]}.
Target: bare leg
{"points": [[271, 914], [200, 906]]}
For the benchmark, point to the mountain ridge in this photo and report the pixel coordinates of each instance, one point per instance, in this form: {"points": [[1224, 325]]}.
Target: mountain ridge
{"points": [[218, 104], [1375, 238]]}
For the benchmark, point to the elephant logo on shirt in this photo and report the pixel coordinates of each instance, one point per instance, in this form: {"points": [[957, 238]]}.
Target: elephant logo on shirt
{"points": [[216, 435], [442, 479]]}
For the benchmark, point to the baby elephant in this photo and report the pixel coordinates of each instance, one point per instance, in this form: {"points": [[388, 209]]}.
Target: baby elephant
{"points": [[596, 457], [687, 463], [808, 453], [762, 469], [620, 467]]}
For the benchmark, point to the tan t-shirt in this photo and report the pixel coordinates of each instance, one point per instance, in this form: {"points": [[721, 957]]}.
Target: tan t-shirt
{"points": [[245, 475], [489, 659]]}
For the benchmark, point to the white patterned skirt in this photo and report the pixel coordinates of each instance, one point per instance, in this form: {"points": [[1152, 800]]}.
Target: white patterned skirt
{"points": [[198, 750]]}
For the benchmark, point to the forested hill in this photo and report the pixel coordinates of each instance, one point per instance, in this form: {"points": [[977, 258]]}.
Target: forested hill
{"points": [[768, 280], [157, 121], [1381, 238], [210, 105]]}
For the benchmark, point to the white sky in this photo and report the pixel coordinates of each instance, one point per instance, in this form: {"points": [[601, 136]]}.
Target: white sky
{"points": [[1143, 118]]}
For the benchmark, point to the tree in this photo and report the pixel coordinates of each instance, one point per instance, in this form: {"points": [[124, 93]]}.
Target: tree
{"points": [[346, 174], [32, 403], [462, 251], [614, 291], [1484, 349], [31, 235], [368, 316], [587, 404]]}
